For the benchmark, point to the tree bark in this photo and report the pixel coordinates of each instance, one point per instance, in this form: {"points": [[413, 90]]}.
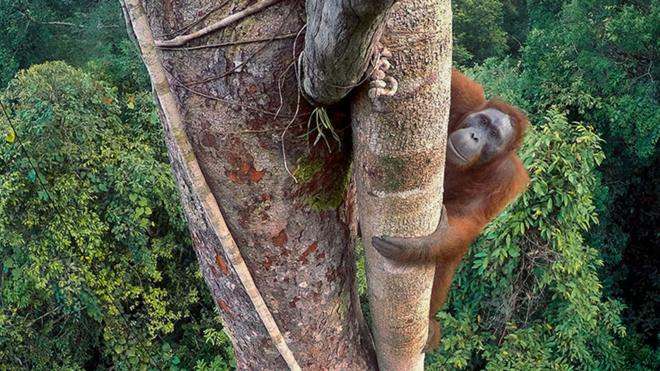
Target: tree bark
{"points": [[399, 144], [339, 42], [225, 112]]}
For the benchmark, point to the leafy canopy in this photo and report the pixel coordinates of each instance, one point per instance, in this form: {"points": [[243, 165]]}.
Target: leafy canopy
{"points": [[96, 261]]}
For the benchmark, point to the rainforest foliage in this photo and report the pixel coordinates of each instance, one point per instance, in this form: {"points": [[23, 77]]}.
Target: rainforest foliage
{"points": [[96, 267]]}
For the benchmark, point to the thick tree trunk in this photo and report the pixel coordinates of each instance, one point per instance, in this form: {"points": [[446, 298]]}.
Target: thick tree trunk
{"points": [[399, 146], [224, 137]]}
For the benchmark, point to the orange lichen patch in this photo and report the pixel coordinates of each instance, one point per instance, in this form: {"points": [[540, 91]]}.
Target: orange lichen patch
{"points": [[208, 139], [241, 168], [281, 239], [244, 173], [293, 302], [233, 176], [224, 306], [222, 264], [331, 275], [268, 263], [252, 88], [256, 175], [313, 247]]}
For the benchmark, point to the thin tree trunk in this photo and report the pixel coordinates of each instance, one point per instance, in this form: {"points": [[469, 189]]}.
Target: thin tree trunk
{"points": [[225, 112], [399, 146]]}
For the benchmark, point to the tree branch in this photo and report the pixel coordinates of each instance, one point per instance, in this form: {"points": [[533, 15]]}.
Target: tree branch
{"points": [[180, 40], [27, 15], [233, 43]]}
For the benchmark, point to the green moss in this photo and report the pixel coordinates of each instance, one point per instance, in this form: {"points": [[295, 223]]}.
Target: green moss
{"points": [[394, 169], [324, 180], [324, 201], [306, 169], [361, 278], [331, 196]]}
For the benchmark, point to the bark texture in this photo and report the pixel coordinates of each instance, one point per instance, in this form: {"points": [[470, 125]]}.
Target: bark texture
{"points": [[399, 146], [338, 45], [295, 250]]}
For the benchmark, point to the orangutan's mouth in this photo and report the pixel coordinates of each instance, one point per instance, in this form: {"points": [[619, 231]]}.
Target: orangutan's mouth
{"points": [[453, 149]]}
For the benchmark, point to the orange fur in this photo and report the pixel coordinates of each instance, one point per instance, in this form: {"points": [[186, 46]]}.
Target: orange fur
{"points": [[474, 196]]}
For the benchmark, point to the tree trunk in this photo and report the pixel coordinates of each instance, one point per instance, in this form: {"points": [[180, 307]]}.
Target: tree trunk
{"points": [[399, 146], [288, 297]]}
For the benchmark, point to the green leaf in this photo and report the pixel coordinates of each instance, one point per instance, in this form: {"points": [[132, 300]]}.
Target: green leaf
{"points": [[11, 136], [32, 176], [43, 195], [131, 102], [8, 263]]}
